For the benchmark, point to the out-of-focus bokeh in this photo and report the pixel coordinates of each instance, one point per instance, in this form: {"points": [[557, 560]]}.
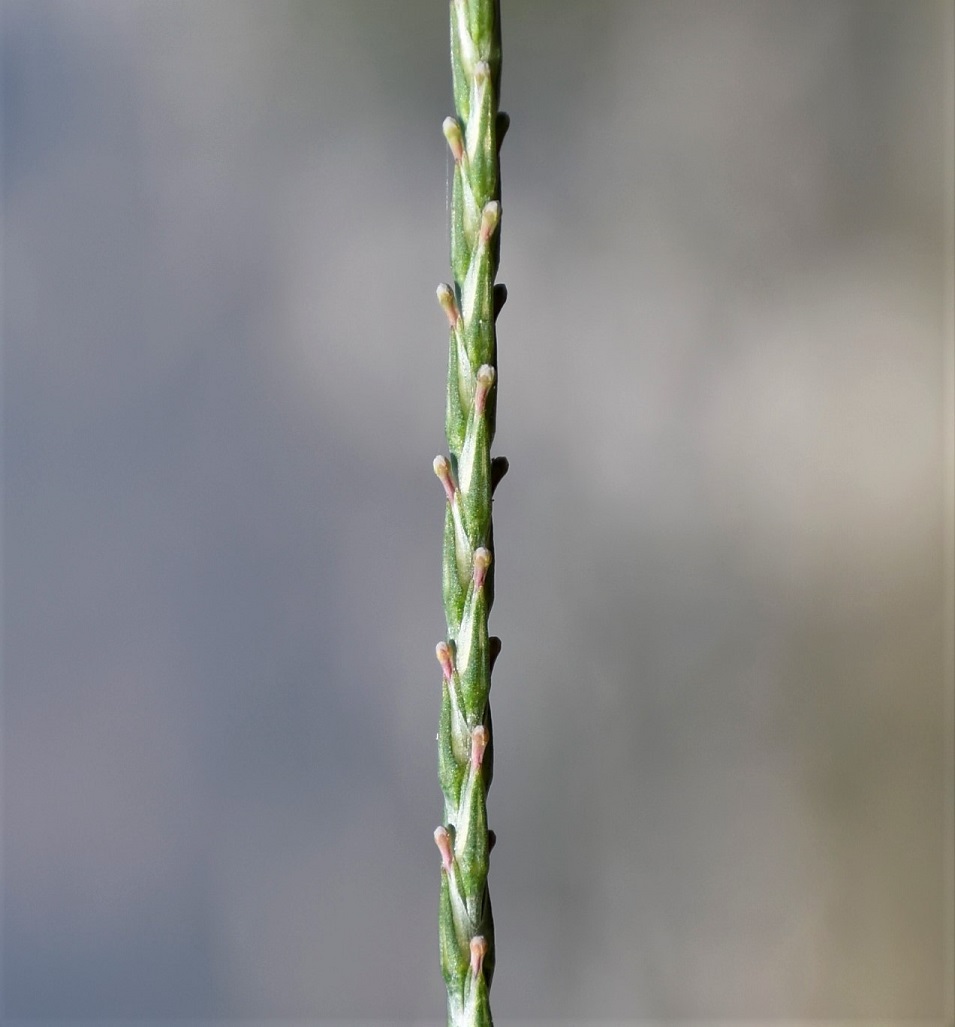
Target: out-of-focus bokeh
{"points": [[720, 785]]}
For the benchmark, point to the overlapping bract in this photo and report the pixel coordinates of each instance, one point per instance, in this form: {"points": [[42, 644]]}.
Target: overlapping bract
{"points": [[465, 740]]}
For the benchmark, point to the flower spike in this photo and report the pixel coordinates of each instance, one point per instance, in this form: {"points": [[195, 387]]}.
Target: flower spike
{"points": [[471, 302]]}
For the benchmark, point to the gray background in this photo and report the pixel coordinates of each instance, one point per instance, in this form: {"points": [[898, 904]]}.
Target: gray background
{"points": [[720, 783]]}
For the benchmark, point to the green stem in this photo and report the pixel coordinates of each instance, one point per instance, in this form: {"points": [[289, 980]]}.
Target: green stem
{"points": [[465, 740]]}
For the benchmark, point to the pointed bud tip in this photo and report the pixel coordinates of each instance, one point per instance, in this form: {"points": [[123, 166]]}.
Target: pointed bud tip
{"points": [[499, 467], [482, 71], [478, 949], [443, 652], [443, 471], [494, 649], [479, 742], [442, 839], [484, 381], [490, 217], [452, 132], [448, 303], [482, 560]]}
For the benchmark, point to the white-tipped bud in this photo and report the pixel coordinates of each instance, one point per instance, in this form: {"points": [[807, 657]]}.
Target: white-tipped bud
{"points": [[482, 72], [443, 470], [490, 217], [443, 652], [485, 378], [478, 949], [482, 560], [448, 303], [479, 740], [455, 138], [443, 841]]}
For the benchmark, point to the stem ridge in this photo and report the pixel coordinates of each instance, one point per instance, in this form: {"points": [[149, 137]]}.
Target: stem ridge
{"points": [[469, 476]]}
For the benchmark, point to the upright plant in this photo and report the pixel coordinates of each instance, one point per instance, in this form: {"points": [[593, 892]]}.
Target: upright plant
{"points": [[469, 476]]}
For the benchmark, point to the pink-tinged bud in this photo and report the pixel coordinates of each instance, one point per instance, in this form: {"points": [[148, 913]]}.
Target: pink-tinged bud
{"points": [[443, 841], [485, 380], [448, 303], [491, 840], [482, 560], [443, 470], [478, 952], [452, 132], [479, 740], [443, 652], [490, 217]]}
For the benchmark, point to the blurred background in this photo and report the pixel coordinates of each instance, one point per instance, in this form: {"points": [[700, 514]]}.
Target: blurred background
{"points": [[721, 709]]}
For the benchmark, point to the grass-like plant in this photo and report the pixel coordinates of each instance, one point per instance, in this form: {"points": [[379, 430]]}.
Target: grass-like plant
{"points": [[469, 476]]}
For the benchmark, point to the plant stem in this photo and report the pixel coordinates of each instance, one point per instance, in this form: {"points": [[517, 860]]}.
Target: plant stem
{"points": [[472, 303]]}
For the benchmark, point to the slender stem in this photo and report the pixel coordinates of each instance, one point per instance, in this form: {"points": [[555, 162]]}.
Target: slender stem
{"points": [[472, 303]]}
